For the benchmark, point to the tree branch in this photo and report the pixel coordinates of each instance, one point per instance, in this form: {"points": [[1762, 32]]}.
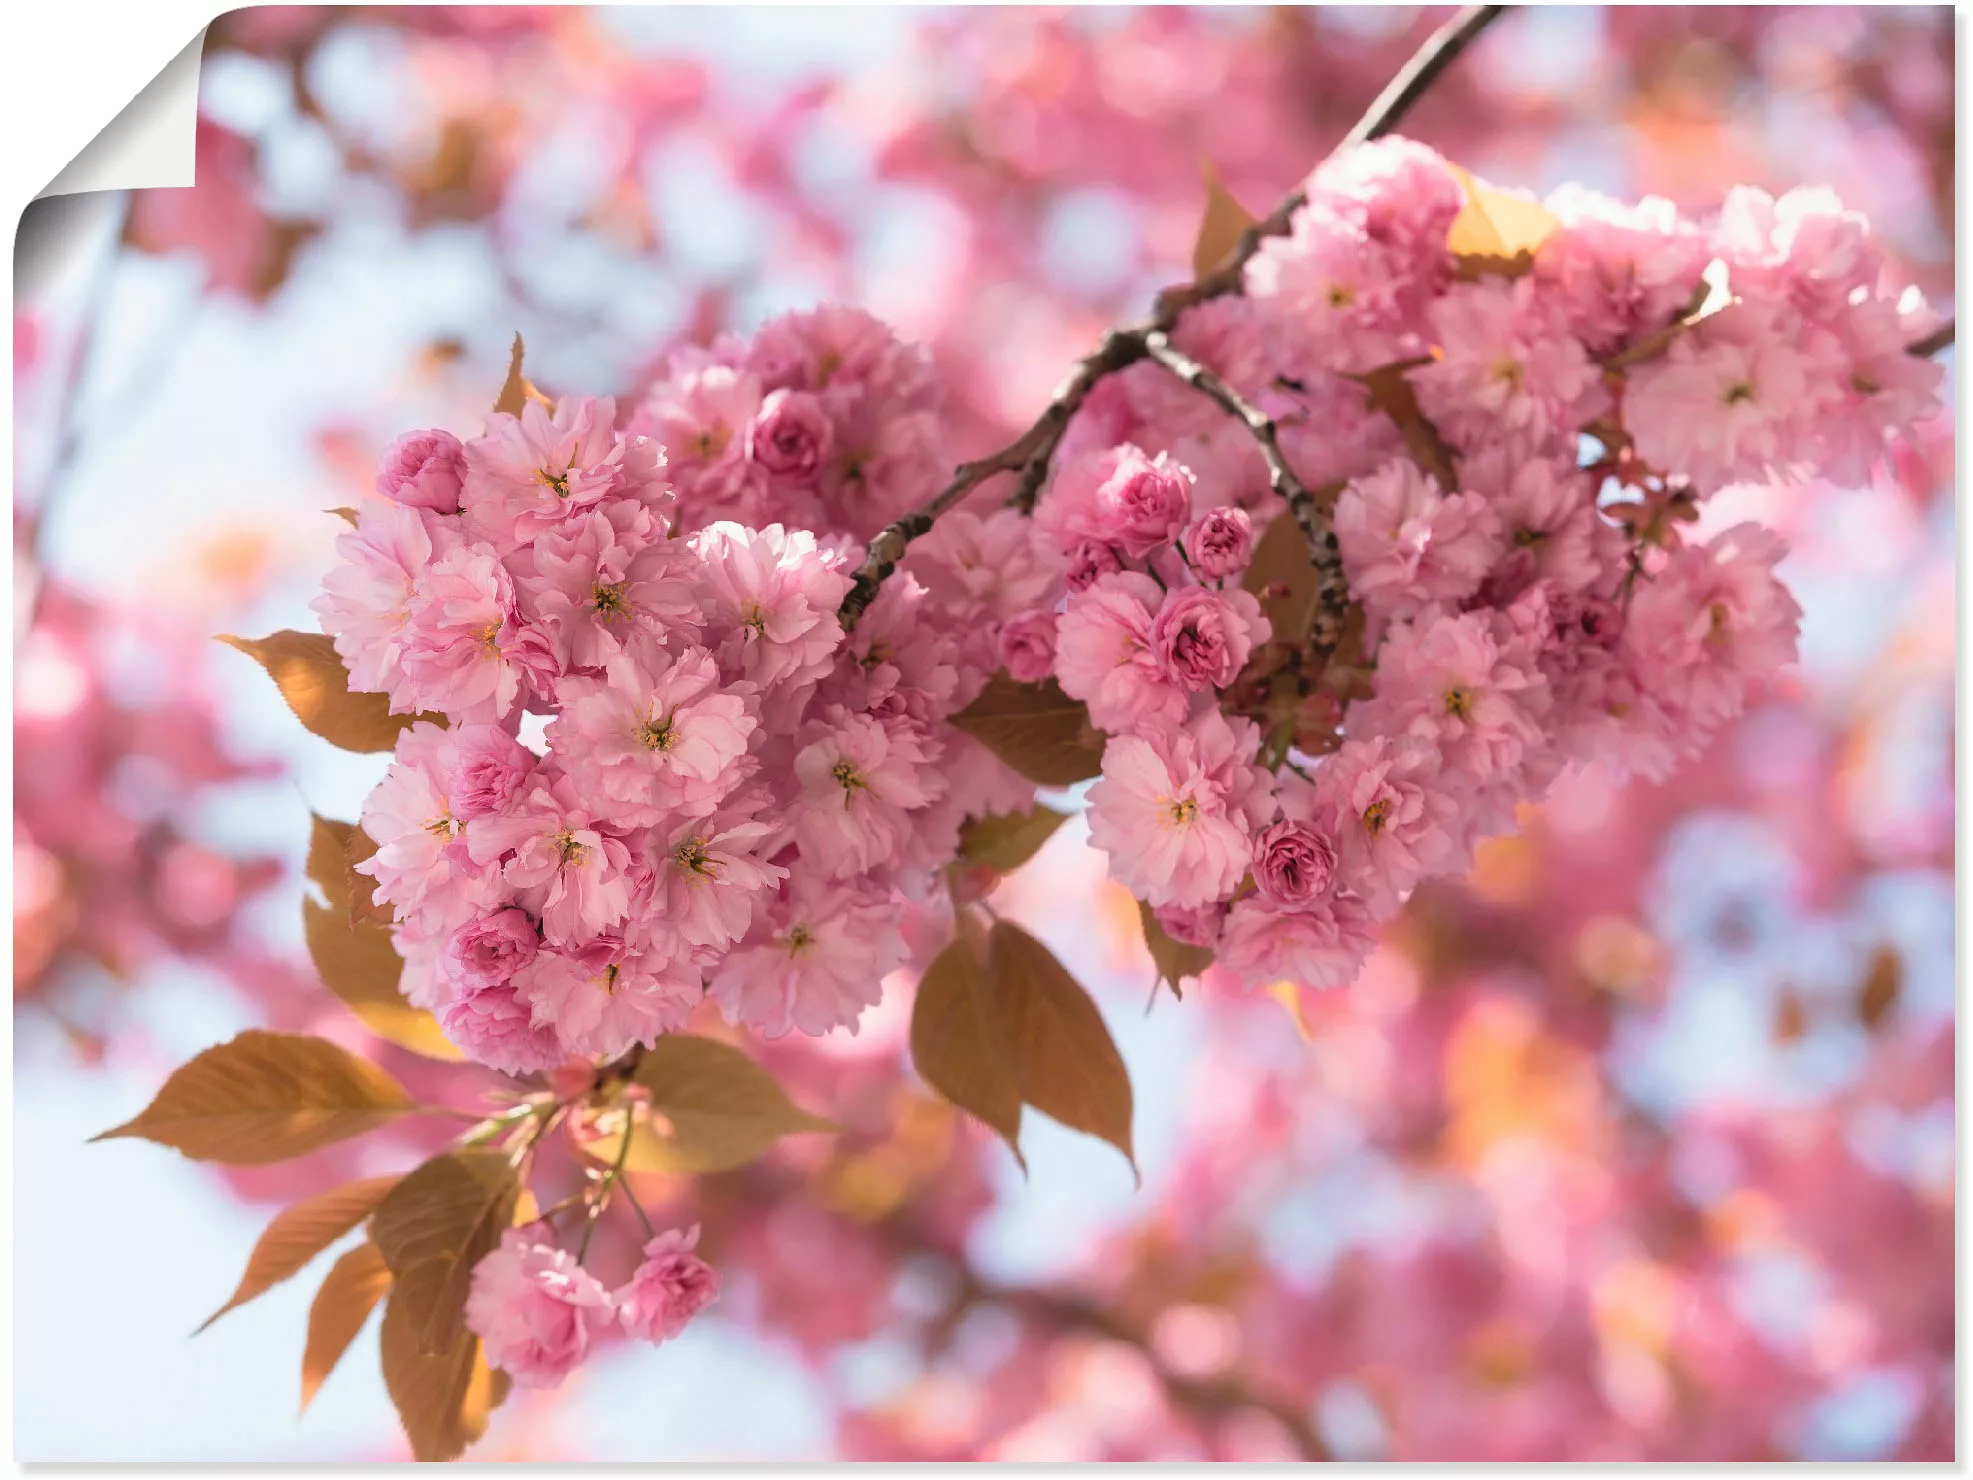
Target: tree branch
{"points": [[1331, 589], [1029, 454], [1204, 1397], [1932, 343]]}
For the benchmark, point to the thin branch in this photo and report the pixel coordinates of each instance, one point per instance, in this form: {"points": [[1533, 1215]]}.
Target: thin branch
{"points": [[1932, 343], [1029, 454], [1204, 1397], [1332, 590]]}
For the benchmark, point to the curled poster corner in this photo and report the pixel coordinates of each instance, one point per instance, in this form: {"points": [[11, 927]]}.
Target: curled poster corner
{"points": [[151, 143]]}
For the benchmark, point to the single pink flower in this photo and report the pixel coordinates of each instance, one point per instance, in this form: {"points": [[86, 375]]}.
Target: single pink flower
{"points": [[1104, 655], [815, 963], [1293, 863], [568, 871], [1026, 647], [861, 778], [659, 738], [535, 1309], [791, 435], [1219, 543], [671, 1286], [1175, 808], [600, 999], [424, 470], [1200, 638]]}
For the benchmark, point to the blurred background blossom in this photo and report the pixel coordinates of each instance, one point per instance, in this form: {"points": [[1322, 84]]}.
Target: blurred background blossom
{"points": [[1638, 1144]]}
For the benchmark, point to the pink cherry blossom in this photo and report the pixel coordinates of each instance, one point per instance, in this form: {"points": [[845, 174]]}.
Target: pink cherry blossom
{"points": [[464, 651], [535, 1309], [567, 870], [600, 1000], [423, 470], [1219, 543], [366, 601], [861, 777], [1027, 647], [1319, 943], [815, 964], [1293, 863], [772, 598], [1384, 803], [671, 1285], [656, 738], [595, 582], [1406, 544], [1119, 497], [1174, 809], [1104, 654]]}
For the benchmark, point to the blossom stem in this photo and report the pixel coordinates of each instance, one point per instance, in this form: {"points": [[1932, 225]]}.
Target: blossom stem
{"points": [[1029, 454], [1332, 593], [1932, 343], [610, 1179]]}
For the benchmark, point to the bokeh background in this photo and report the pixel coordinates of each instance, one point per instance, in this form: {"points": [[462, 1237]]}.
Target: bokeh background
{"points": [[1638, 1144]]}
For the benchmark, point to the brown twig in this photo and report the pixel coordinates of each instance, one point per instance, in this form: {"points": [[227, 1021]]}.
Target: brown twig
{"points": [[1029, 454], [1204, 1397], [1332, 592], [1932, 343]]}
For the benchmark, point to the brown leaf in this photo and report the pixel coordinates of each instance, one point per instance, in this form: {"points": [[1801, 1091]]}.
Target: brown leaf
{"points": [[355, 1283], [301, 1232], [443, 1398], [513, 393], [344, 513], [1035, 728], [959, 1041], [1175, 961], [1883, 981], [265, 1097], [1497, 231], [1220, 227], [518, 390], [1392, 394], [1714, 294], [1281, 560], [1791, 1017], [361, 966], [334, 850], [1069, 1067], [310, 676], [712, 1109], [435, 1226], [1007, 840]]}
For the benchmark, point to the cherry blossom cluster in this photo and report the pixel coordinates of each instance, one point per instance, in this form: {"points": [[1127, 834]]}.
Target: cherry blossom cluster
{"points": [[1509, 462], [720, 794], [539, 1312]]}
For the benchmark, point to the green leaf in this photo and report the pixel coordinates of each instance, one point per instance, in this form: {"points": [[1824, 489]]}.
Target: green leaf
{"points": [[1035, 728], [265, 1097], [1007, 840]]}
